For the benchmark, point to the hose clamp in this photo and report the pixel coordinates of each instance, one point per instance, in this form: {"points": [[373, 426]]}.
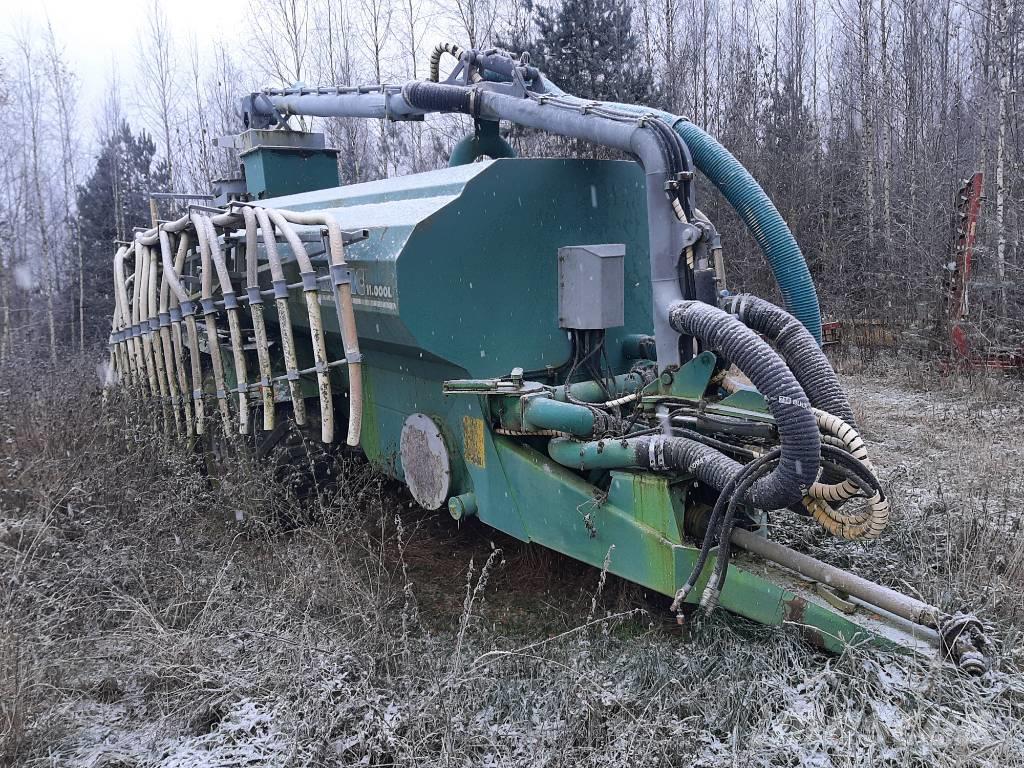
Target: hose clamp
{"points": [[280, 289], [342, 275], [221, 394], [175, 314], [253, 292], [209, 307], [309, 282], [154, 324], [321, 368], [165, 319], [187, 309], [656, 454], [353, 357], [292, 375], [230, 302]]}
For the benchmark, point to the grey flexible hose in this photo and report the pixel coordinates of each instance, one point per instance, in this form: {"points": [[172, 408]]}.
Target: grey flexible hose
{"points": [[798, 348], [787, 402]]}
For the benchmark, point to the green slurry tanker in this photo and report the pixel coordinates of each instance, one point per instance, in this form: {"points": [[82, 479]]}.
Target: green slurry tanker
{"points": [[544, 344]]}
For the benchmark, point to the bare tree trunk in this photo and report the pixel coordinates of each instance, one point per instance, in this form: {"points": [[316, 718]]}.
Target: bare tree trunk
{"points": [[33, 108], [62, 85], [160, 91], [867, 118], [886, 126], [1002, 58]]}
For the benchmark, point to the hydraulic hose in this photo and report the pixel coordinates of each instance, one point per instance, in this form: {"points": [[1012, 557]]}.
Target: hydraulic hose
{"points": [[435, 58], [798, 348], [798, 432]]}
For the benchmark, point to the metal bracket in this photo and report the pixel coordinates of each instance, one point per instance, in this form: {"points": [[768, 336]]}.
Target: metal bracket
{"points": [[343, 275]]}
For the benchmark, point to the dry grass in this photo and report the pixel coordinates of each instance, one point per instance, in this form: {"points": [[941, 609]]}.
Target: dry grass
{"points": [[151, 617]]}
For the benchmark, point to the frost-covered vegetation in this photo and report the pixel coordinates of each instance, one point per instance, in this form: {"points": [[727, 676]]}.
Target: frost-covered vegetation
{"points": [[155, 613]]}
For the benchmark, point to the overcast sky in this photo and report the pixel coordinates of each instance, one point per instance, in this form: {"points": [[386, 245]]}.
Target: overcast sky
{"points": [[97, 35]]}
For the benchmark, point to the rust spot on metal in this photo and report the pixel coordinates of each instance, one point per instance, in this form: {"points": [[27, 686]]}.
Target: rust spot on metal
{"points": [[473, 441], [794, 610]]}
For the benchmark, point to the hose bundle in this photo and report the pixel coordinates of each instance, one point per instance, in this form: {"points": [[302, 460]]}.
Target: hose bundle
{"points": [[798, 431]]}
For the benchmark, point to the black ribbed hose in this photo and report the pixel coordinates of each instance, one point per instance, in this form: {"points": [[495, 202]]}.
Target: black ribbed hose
{"points": [[798, 348], [798, 430], [439, 97]]}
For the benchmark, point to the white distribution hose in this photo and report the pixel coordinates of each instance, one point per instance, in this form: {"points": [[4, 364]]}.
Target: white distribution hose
{"points": [[172, 271], [346, 316], [850, 441], [175, 294], [142, 380], [234, 326], [140, 315], [155, 339], [316, 326], [156, 360], [125, 316], [259, 326], [165, 342], [284, 319], [209, 315]]}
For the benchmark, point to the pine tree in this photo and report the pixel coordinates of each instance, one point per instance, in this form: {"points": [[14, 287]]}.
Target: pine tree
{"points": [[589, 48], [113, 201]]}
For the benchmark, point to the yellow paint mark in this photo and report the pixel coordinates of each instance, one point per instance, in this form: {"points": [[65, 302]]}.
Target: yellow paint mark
{"points": [[473, 441]]}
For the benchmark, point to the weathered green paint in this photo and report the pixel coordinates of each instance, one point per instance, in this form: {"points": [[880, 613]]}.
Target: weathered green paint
{"points": [[543, 412], [458, 280], [275, 171], [486, 141], [745, 399]]}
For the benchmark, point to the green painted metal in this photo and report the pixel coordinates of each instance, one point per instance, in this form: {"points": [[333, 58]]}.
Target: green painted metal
{"points": [[276, 171], [461, 263], [601, 454], [486, 141], [457, 283], [547, 413]]}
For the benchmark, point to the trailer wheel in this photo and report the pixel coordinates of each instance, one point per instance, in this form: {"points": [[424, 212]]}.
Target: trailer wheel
{"points": [[299, 461]]}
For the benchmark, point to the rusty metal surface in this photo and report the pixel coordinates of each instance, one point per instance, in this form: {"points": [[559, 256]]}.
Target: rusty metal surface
{"points": [[425, 461]]}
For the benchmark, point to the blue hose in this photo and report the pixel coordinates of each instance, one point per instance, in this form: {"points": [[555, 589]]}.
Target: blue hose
{"points": [[752, 204], [762, 219]]}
